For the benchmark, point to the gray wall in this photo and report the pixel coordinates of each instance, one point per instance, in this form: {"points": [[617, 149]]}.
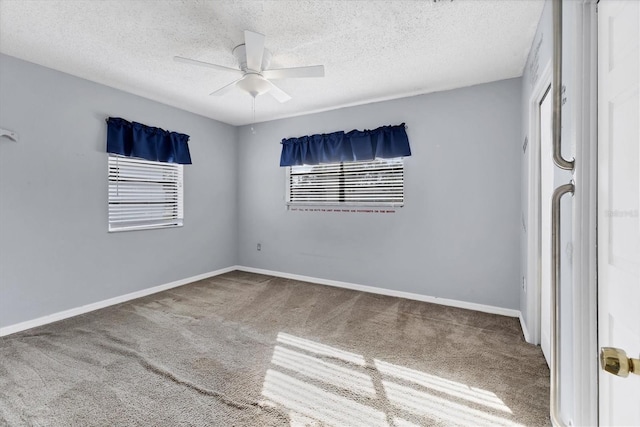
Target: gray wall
{"points": [[55, 251], [458, 235]]}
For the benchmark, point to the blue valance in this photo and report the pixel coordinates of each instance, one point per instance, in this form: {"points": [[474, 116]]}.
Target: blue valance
{"points": [[133, 139], [385, 142]]}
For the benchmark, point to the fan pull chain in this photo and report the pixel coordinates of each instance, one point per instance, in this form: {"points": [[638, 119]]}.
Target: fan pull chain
{"points": [[253, 131]]}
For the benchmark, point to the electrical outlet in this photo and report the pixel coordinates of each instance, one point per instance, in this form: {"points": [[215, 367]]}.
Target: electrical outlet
{"points": [[259, 246]]}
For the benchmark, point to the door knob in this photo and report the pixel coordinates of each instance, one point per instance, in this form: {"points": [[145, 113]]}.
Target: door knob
{"points": [[616, 362]]}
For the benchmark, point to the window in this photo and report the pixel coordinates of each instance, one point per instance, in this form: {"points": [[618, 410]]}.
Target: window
{"points": [[370, 183], [144, 194]]}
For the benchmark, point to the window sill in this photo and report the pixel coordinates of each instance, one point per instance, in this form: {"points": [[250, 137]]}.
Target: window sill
{"points": [[143, 227], [346, 205]]}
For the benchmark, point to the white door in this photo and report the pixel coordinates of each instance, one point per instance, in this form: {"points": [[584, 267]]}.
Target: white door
{"points": [[546, 192], [618, 203]]}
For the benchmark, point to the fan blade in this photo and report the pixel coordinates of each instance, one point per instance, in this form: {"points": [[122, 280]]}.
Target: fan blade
{"points": [[205, 64], [254, 46], [278, 93], [283, 73], [225, 89]]}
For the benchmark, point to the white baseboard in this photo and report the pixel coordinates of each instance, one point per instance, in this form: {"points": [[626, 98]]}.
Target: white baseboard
{"points": [[382, 291], [12, 329], [525, 331]]}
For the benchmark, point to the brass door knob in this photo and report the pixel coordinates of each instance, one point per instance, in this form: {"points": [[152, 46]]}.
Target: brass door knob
{"points": [[616, 362]]}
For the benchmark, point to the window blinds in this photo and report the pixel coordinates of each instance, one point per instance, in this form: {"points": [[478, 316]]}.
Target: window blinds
{"points": [[373, 183], [144, 194]]}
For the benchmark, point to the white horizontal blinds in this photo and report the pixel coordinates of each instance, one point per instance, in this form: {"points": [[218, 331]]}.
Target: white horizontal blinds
{"points": [[373, 183], [144, 194]]}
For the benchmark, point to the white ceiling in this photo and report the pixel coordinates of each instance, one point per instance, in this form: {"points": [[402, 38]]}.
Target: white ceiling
{"points": [[371, 50]]}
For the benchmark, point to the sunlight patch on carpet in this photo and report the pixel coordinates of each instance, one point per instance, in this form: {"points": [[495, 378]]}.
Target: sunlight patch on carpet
{"points": [[427, 405], [319, 404], [320, 349], [326, 372], [452, 388], [319, 383]]}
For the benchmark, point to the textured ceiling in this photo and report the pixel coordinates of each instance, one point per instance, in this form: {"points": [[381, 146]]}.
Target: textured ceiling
{"points": [[371, 50]]}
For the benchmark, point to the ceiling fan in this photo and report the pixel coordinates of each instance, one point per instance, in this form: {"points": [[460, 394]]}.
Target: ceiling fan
{"points": [[255, 75]]}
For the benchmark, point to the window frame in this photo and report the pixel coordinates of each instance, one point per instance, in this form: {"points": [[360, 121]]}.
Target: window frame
{"points": [[332, 203], [174, 187]]}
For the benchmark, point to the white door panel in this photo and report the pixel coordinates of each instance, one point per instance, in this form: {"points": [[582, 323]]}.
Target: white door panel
{"points": [[619, 202]]}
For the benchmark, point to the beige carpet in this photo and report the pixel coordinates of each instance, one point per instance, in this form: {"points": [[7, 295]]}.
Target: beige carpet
{"points": [[244, 349]]}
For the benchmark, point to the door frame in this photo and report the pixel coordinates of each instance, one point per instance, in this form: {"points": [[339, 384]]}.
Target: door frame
{"points": [[533, 287], [582, 136], [585, 282]]}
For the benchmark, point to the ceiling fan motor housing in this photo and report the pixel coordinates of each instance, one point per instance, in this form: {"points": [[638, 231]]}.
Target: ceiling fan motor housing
{"points": [[240, 52]]}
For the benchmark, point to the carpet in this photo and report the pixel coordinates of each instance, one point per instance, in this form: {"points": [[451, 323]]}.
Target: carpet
{"points": [[243, 349]]}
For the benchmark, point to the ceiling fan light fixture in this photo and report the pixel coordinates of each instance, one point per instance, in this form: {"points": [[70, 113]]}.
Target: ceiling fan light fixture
{"points": [[254, 84]]}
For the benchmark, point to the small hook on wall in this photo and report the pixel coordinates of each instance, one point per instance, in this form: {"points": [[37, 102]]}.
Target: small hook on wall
{"points": [[9, 134]]}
